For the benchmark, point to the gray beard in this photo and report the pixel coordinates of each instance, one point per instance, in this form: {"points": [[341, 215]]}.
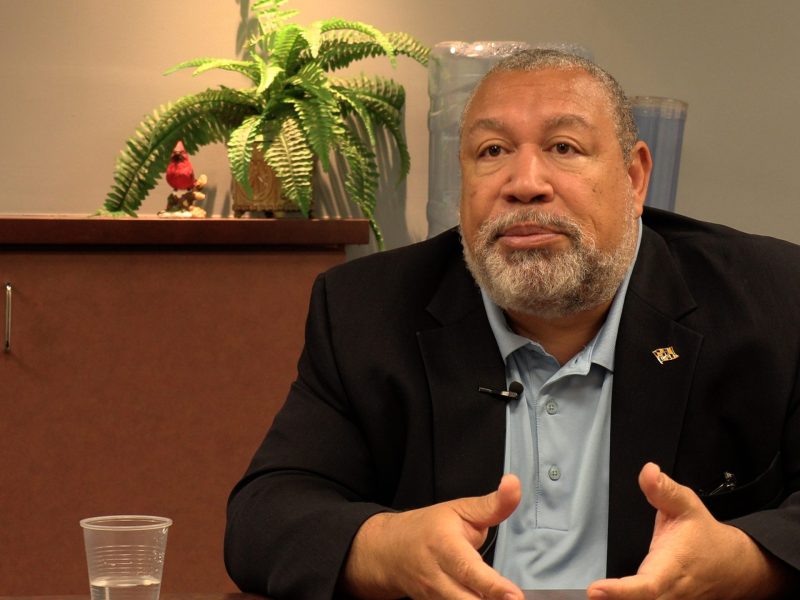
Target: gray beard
{"points": [[544, 282]]}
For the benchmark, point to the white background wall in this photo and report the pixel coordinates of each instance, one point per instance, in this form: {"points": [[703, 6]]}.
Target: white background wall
{"points": [[77, 76]]}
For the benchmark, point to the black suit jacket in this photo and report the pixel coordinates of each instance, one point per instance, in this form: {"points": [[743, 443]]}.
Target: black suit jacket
{"points": [[386, 414]]}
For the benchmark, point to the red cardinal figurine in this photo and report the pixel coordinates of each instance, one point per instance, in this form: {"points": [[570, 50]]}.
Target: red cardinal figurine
{"points": [[180, 174]]}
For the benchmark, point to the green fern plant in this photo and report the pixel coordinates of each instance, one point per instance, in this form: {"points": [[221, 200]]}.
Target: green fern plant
{"points": [[295, 111]]}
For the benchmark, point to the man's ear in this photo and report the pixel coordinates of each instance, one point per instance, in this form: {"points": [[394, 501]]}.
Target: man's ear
{"points": [[639, 170]]}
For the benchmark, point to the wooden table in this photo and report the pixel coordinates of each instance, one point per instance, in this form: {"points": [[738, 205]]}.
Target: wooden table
{"points": [[163, 596], [555, 595], [529, 595]]}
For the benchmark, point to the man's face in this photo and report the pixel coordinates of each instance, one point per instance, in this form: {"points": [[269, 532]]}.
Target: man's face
{"points": [[544, 184]]}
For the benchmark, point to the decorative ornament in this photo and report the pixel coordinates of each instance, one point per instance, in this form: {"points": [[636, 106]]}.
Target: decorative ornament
{"points": [[185, 188]]}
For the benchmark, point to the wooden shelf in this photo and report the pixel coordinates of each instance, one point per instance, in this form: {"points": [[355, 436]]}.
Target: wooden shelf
{"points": [[47, 230]]}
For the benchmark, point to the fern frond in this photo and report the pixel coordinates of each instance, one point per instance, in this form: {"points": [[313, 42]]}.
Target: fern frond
{"points": [[331, 25], [240, 150], [339, 49], [313, 37], [286, 46], [319, 111], [396, 130], [361, 180], [350, 104], [208, 116], [270, 15], [382, 112], [292, 159], [321, 124], [266, 74], [383, 88], [197, 120], [314, 83], [201, 65], [409, 46]]}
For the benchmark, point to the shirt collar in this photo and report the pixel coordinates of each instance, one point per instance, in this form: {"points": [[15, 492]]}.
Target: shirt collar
{"points": [[600, 349]]}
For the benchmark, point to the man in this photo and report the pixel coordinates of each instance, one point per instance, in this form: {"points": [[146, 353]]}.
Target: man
{"points": [[657, 395]]}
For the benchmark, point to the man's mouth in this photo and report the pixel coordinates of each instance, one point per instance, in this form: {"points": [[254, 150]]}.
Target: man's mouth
{"points": [[528, 229], [528, 235]]}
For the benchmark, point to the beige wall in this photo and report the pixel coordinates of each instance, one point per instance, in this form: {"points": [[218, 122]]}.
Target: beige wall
{"points": [[77, 76]]}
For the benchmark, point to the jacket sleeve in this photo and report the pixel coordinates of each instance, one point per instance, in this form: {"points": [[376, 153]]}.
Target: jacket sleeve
{"points": [[778, 529], [292, 518]]}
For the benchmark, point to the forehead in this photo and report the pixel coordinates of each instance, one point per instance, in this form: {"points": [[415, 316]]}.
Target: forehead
{"points": [[546, 94]]}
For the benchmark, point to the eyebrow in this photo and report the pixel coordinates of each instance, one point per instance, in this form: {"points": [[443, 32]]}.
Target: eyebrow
{"points": [[566, 120], [486, 123]]}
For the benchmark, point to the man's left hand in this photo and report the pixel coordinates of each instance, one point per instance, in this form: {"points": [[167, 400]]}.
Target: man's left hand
{"points": [[692, 555]]}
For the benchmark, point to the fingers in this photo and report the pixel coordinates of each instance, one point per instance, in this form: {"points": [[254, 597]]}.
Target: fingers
{"points": [[466, 568], [508, 495], [682, 529], [461, 563], [431, 552], [627, 588], [487, 511], [664, 494]]}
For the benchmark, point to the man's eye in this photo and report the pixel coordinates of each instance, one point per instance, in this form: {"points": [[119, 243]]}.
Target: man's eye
{"points": [[563, 148], [493, 150]]}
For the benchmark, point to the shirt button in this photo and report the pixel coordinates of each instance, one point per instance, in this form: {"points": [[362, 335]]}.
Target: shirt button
{"points": [[551, 407], [554, 473]]}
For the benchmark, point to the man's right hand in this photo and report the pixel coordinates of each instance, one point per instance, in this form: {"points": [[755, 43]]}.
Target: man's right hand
{"points": [[432, 552]]}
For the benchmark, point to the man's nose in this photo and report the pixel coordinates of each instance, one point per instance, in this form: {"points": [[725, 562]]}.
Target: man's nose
{"points": [[528, 178]]}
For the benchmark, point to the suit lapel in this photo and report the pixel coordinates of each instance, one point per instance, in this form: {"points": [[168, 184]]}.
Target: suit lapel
{"points": [[649, 398], [461, 355]]}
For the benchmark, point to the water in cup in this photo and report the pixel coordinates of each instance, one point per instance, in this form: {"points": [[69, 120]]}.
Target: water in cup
{"points": [[125, 556], [131, 588]]}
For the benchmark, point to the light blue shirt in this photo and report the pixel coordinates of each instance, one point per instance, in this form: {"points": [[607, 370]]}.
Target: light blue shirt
{"points": [[557, 442]]}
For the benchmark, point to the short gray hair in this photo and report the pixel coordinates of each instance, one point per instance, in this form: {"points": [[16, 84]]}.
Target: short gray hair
{"points": [[539, 59]]}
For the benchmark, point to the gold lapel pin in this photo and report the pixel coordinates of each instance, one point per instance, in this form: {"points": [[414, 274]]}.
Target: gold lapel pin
{"points": [[665, 354]]}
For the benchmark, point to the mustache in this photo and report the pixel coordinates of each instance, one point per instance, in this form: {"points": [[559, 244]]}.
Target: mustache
{"points": [[492, 229]]}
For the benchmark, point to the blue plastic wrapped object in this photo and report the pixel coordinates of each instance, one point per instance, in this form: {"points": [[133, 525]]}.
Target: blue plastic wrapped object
{"points": [[454, 69], [661, 122]]}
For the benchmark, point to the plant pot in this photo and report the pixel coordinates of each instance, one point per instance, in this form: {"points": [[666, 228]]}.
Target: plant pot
{"points": [[266, 188]]}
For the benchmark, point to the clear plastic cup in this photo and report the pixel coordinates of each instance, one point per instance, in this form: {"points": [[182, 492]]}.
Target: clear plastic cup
{"points": [[125, 556]]}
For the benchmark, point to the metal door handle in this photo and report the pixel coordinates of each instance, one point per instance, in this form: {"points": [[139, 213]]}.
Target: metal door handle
{"points": [[7, 335]]}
